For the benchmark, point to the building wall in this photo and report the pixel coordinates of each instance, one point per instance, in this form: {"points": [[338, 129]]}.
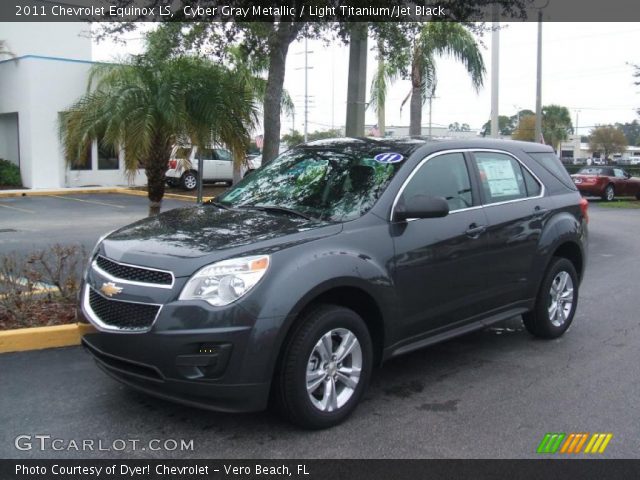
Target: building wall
{"points": [[48, 74], [9, 145]]}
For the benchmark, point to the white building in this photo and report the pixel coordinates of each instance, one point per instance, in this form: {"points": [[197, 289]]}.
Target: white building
{"points": [[48, 74], [575, 148]]}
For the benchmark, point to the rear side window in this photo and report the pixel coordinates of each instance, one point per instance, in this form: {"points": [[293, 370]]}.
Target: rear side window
{"points": [[551, 163], [503, 178]]}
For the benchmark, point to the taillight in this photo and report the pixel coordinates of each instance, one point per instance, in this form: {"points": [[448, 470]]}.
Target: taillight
{"points": [[173, 163], [584, 208]]}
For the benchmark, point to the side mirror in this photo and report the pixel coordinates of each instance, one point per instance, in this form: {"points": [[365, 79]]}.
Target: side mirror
{"points": [[421, 206]]}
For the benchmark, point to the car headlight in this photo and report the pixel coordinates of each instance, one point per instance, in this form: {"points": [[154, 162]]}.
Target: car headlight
{"points": [[224, 282]]}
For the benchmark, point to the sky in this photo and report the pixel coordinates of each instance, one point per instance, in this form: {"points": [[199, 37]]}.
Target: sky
{"points": [[585, 67]]}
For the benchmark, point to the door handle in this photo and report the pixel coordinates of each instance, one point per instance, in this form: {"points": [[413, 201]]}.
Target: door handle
{"points": [[474, 230], [539, 211]]}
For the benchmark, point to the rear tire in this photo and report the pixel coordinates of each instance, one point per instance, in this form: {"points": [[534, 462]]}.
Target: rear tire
{"points": [[609, 193], [325, 369], [189, 181], [556, 301]]}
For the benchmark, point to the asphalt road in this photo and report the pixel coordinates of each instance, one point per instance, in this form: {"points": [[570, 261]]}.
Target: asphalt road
{"points": [[491, 394], [31, 223]]}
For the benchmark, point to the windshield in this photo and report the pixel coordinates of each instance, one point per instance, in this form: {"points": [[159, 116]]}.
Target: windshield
{"points": [[593, 171], [322, 184]]}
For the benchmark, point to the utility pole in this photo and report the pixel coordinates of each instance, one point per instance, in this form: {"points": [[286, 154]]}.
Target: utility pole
{"points": [[538, 136], [495, 73], [306, 69], [357, 82], [306, 91], [430, 97]]}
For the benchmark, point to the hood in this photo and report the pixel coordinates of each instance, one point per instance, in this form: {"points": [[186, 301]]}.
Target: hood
{"points": [[185, 239]]}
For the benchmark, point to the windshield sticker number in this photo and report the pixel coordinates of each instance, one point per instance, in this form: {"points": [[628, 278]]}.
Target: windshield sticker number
{"points": [[389, 157]]}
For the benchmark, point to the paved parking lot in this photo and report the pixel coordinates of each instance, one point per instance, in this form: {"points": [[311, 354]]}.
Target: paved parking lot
{"points": [[28, 223], [494, 393]]}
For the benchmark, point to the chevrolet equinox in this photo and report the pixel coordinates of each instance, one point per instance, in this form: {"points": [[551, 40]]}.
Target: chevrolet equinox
{"points": [[334, 257]]}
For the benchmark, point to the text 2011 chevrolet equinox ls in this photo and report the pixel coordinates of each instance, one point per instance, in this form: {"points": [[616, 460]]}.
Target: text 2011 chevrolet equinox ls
{"points": [[335, 257]]}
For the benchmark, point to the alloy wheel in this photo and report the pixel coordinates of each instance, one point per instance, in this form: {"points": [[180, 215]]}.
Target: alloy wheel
{"points": [[333, 369], [560, 298]]}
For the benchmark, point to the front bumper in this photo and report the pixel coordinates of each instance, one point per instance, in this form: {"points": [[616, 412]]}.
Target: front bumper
{"points": [[139, 361], [219, 358]]}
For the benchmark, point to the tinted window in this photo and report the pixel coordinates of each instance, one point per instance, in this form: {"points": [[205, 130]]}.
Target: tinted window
{"points": [[443, 176], [207, 154], [551, 163], [533, 187], [223, 154], [501, 177]]}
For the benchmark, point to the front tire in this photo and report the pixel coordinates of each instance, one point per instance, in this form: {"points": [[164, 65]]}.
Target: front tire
{"points": [[189, 181], [556, 301], [325, 368], [609, 193]]}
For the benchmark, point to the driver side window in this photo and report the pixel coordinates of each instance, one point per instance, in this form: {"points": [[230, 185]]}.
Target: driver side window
{"points": [[443, 176]]}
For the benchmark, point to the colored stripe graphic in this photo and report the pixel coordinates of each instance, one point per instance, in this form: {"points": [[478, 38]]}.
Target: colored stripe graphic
{"points": [[572, 443], [598, 443], [551, 442]]}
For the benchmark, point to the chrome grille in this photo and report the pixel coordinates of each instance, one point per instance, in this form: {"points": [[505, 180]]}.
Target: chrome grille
{"points": [[122, 315], [134, 274]]}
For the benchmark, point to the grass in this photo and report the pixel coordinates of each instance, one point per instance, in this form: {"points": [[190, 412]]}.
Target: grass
{"points": [[626, 203]]}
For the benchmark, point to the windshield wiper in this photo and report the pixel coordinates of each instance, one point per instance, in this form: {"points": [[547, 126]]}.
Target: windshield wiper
{"points": [[275, 208], [216, 204]]}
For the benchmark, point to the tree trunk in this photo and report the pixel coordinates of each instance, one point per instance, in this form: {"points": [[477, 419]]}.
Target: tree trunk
{"points": [[238, 160], [281, 37], [415, 119], [155, 168]]}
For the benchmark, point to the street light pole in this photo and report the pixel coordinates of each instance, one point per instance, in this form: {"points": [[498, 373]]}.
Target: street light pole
{"points": [[538, 136], [495, 73]]}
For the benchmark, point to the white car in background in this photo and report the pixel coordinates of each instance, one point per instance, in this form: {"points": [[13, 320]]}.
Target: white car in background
{"points": [[217, 166]]}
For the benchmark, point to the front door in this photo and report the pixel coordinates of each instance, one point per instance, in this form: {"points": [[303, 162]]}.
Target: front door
{"points": [[438, 269]]}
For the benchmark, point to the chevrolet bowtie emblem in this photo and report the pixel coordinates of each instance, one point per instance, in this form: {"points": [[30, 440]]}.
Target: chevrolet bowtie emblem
{"points": [[110, 289]]}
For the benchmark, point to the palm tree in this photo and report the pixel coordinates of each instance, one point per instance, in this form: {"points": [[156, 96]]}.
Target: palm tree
{"points": [[147, 104], [556, 125], [384, 76], [435, 39]]}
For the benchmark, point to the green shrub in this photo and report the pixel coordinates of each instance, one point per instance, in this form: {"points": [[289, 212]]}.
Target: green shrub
{"points": [[9, 174]]}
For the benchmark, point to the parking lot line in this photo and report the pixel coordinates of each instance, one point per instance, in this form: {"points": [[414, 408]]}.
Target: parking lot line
{"points": [[88, 201], [17, 208]]}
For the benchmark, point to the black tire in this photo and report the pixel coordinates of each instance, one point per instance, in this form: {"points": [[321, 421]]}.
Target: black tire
{"points": [[609, 193], [291, 394], [538, 321], [638, 196], [189, 180]]}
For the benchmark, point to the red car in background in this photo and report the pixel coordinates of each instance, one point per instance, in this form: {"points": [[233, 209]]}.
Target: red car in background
{"points": [[606, 183]]}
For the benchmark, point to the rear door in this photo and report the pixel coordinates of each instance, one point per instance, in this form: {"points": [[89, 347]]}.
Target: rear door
{"points": [[223, 164], [516, 210], [621, 184], [208, 160], [439, 262]]}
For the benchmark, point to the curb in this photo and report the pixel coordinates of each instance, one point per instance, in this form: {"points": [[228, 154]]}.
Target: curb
{"points": [[82, 191], [38, 338]]}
